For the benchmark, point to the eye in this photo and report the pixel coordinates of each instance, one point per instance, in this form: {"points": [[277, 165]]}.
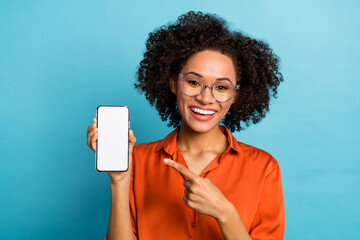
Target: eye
{"points": [[222, 87], [193, 82]]}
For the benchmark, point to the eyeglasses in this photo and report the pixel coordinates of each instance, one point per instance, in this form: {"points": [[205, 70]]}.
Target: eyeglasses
{"points": [[194, 85]]}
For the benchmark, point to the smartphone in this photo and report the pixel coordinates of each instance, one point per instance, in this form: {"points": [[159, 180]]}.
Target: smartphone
{"points": [[112, 147]]}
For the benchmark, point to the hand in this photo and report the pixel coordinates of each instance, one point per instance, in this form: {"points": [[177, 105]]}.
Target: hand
{"points": [[116, 177], [201, 194], [92, 135]]}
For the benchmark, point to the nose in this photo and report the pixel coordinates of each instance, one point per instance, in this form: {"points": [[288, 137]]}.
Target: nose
{"points": [[206, 96]]}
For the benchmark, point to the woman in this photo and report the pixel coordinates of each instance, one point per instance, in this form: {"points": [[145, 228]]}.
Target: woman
{"points": [[199, 181]]}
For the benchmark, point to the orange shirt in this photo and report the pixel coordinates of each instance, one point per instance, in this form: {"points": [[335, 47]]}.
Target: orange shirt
{"points": [[247, 176]]}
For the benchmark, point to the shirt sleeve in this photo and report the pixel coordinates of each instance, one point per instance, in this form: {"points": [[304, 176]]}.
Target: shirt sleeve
{"points": [[269, 220], [132, 198]]}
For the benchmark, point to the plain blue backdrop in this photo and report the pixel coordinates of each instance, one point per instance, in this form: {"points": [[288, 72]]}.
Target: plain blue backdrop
{"points": [[59, 60]]}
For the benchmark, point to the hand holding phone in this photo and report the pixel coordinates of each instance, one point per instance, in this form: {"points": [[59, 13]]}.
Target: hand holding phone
{"points": [[92, 137]]}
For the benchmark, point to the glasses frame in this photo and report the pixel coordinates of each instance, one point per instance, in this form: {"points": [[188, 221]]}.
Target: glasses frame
{"points": [[236, 87]]}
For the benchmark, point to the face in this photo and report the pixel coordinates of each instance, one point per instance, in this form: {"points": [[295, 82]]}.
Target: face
{"points": [[203, 113]]}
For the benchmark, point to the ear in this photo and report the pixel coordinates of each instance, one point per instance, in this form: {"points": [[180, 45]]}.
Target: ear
{"points": [[173, 85]]}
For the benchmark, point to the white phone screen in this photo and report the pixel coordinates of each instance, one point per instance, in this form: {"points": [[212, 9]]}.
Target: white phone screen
{"points": [[112, 150]]}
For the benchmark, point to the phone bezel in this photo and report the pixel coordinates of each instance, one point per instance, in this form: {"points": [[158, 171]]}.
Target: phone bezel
{"points": [[96, 152]]}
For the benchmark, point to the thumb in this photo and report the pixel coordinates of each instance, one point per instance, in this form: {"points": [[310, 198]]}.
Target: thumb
{"points": [[132, 140]]}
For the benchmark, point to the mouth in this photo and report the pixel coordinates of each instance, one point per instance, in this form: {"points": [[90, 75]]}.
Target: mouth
{"points": [[202, 111]]}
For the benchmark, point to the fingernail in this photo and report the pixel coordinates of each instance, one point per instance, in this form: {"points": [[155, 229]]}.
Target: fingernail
{"points": [[166, 160]]}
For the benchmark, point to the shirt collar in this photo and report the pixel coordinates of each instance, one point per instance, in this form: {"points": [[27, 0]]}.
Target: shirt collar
{"points": [[168, 144], [233, 143]]}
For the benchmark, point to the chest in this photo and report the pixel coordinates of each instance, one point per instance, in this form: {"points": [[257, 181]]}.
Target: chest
{"points": [[158, 193], [198, 162]]}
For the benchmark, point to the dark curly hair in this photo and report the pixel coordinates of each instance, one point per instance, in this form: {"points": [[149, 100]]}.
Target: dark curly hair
{"points": [[169, 47]]}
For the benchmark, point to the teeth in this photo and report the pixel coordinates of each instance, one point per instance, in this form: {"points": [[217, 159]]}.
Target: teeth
{"points": [[204, 112]]}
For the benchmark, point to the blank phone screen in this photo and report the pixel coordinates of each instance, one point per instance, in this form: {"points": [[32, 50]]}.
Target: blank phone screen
{"points": [[113, 144]]}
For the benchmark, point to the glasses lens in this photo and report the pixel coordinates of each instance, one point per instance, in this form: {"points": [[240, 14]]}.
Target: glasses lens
{"points": [[193, 85], [223, 91]]}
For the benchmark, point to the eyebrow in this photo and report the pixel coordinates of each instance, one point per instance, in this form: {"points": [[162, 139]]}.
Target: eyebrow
{"points": [[218, 79]]}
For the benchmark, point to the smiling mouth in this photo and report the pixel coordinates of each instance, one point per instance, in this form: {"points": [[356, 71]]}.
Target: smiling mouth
{"points": [[202, 112]]}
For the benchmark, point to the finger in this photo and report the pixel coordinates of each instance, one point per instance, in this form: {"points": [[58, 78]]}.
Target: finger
{"points": [[93, 141], [92, 132], [132, 138], [189, 203], [91, 135], [132, 141], [91, 127], [186, 193], [88, 140], [186, 200], [181, 169], [187, 184]]}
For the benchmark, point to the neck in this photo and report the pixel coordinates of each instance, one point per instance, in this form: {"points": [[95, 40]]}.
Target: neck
{"points": [[194, 142]]}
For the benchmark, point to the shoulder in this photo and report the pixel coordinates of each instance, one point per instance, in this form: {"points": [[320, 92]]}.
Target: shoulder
{"points": [[168, 144], [259, 157], [146, 147], [252, 157], [144, 155]]}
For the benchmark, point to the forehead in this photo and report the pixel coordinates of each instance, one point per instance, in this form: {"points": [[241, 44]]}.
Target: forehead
{"points": [[211, 65]]}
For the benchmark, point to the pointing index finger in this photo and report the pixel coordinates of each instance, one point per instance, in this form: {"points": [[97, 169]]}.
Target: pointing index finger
{"points": [[181, 169]]}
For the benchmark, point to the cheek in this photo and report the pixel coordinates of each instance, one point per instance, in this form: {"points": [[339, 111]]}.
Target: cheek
{"points": [[181, 99], [226, 107]]}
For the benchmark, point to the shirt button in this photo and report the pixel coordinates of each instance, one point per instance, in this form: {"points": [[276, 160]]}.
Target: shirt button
{"points": [[193, 224]]}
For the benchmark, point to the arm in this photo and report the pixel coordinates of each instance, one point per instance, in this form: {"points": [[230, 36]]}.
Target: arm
{"points": [[120, 226], [269, 220], [119, 222], [231, 225]]}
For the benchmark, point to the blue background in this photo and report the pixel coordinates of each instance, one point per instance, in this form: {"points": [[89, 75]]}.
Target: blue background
{"points": [[59, 60]]}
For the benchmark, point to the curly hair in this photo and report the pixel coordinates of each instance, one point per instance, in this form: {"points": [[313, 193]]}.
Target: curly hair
{"points": [[169, 47]]}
